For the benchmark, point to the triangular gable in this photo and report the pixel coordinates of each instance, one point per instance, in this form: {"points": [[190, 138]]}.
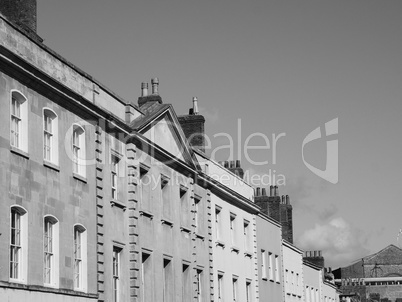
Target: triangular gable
{"points": [[165, 131], [389, 255]]}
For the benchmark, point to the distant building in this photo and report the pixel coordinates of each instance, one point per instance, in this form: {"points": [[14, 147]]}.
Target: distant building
{"points": [[293, 280], [270, 259], [377, 277]]}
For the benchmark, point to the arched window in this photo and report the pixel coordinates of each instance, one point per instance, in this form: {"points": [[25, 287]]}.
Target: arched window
{"points": [[80, 258], [19, 121], [51, 251], [18, 244], [78, 149], [50, 136]]}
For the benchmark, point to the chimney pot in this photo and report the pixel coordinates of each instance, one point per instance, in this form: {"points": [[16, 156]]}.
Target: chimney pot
{"points": [[195, 106], [226, 164], [144, 89], [258, 191], [264, 192], [155, 84], [271, 191], [238, 163], [283, 198], [275, 190], [287, 199]]}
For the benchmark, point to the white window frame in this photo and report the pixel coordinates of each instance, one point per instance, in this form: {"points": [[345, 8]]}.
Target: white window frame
{"points": [[51, 251], [199, 283], [233, 228], [197, 202], [264, 264], [114, 175], [218, 217], [78, 150], [167, 280], [277, 275], [145, 263], [248, 291], [220, 287], [50, 136], [270, 267], [18, 258], [116, 272], [18, 120], [80, 258], [247, 235], [235, 289]]}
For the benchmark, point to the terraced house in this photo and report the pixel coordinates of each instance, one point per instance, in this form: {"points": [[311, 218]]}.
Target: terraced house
{"points": [[104, 199]]}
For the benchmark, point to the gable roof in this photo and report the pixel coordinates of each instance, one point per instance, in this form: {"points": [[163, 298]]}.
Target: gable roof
{"points": [[388, 255], [160, 126]]}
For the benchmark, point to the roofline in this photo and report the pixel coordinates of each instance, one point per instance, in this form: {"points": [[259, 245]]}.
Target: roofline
{"points": [[291, 246], [312, 265], [227, 193], [20, 65], [69, 64], [215, 162], [268, 218]]}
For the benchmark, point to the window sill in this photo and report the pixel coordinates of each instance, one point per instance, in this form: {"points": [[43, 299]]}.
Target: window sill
{"points": [[235, 249], [119, 204], [17, 281], [147, 214], [185, 229], [38, 288], [50, 165], [80, 177], [18, 151], [248, 254], [167, 222], [199, 236], [220, 243]]}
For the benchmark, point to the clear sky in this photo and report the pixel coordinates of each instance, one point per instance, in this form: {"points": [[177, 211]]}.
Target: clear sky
{"points": [[280, 67]]}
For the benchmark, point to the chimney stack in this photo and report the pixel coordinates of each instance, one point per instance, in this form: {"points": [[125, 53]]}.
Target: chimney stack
{"points": [[145, 97], [235, 167], [22, 13], [193, 127]]}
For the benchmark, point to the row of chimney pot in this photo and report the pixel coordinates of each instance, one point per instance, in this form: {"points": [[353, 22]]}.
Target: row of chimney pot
{"points": [[285, 199], [230, 164], [154, 84], [313, 254]]}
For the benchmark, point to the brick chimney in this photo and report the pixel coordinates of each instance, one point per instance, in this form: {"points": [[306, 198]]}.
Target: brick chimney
{"points": [[277, 207], [23, 14], [153, 97], [193, 127], [235, 167], [315, 257]]}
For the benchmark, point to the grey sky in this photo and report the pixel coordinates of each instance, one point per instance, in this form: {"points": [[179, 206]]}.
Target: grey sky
{"points": [[281, 67]]}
